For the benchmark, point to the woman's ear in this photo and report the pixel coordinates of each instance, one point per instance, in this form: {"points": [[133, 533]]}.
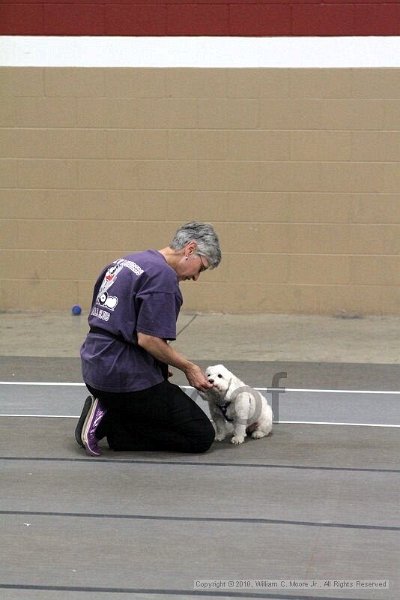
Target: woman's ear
{"points": [[190, 248]]}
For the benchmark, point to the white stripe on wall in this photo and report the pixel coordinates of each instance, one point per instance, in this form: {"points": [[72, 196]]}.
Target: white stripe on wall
{"points": [[200, 52]]}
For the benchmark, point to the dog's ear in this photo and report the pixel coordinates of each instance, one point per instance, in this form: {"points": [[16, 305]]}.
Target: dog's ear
{"points": [[231, 385]]}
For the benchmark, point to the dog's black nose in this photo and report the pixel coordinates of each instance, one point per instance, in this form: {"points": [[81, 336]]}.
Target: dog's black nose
{"points": [[211, 380]]}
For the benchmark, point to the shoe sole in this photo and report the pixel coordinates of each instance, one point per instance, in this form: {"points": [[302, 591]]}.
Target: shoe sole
{"points": [[81, 422]]}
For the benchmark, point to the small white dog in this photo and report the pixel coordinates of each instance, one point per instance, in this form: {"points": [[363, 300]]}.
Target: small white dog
{"points": [[235, 407]]}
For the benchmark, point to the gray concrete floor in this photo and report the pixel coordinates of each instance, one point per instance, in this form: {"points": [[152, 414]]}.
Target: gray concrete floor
{"points": [[311, 502]]}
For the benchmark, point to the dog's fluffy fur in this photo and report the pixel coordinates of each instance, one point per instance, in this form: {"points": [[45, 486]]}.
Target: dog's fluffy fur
{"points": [[235, 407]]}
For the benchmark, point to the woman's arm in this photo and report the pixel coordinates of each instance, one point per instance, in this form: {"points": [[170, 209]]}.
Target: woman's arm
{"points": [[162, 351]]}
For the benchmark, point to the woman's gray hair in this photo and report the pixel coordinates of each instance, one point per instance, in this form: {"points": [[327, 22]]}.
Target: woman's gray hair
{"points": [[204, 236]]}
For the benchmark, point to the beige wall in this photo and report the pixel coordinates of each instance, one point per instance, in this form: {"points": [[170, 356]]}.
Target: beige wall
{"points": [[297, 169]]}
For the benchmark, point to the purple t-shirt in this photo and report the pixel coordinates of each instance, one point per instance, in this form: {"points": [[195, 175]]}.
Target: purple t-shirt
{"points": [[137, 293]]}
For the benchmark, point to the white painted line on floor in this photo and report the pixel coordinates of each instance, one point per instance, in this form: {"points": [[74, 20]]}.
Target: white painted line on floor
{"points": [[275, 422], [42, 416], [188, 387], [324, 391], [50, 383], [332, 423], [314, 391]]}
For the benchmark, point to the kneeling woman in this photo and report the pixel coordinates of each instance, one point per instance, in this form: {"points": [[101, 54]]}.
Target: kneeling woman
{"points": [[125, 357]]}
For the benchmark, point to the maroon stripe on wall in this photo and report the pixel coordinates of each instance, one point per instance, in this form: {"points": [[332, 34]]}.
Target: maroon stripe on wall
{"points": [[200, 17]]}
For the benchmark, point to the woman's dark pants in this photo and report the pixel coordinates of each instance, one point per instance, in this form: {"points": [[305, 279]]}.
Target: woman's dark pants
{"points": [[162, 417]]}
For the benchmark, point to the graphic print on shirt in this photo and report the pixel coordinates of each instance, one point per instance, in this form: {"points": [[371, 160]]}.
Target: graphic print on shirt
{"points": [[103, 298]]}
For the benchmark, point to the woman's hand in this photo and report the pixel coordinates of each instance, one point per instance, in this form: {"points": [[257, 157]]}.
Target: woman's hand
{"points": [[196, 378]]}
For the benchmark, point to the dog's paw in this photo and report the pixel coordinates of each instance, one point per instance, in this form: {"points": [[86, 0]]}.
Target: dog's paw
{"points": [[237, 439], [220, 437], [256, 435]]}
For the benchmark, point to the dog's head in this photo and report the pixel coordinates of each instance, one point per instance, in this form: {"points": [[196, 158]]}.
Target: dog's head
{"points": [[220, 378]]}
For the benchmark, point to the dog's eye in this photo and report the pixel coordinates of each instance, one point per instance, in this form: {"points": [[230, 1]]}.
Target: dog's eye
{"points": [[220, 376]]}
